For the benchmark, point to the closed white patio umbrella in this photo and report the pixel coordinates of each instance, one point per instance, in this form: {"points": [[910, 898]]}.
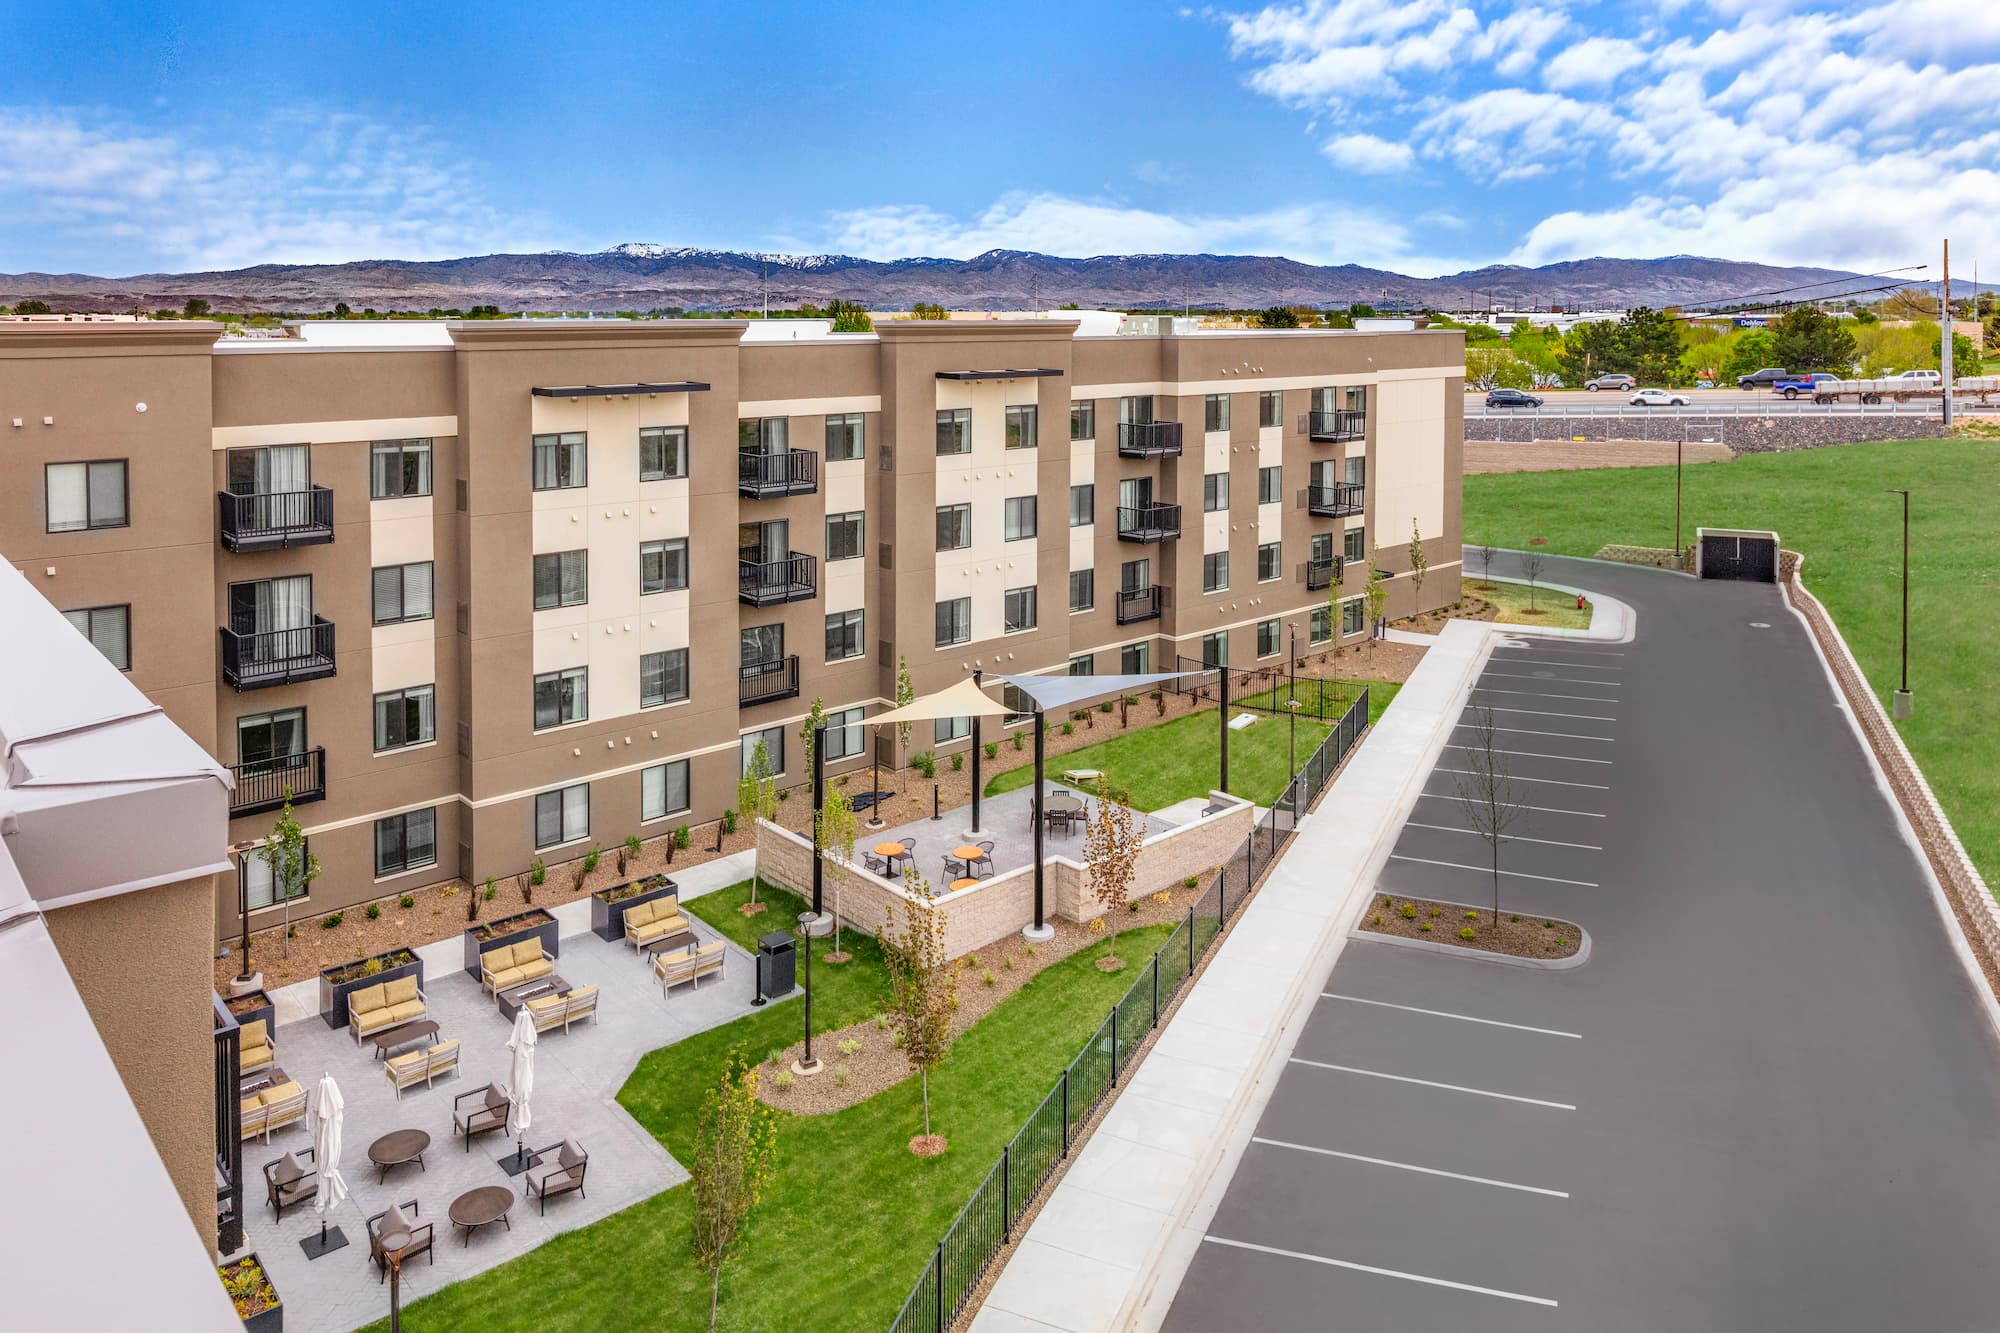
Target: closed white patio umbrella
{"points": [[331, 1190], [521, 1085]]}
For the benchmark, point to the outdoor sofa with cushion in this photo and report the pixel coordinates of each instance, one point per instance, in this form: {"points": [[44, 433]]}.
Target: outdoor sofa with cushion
{"points": [[421, 1066], [254, 1048], [513, 964], [293, 1178], [688, 965], [398, 1217], [273, 1108], [385, 1005], [556, 1169], [561, 1010], [654, 920], [480, 1111]]}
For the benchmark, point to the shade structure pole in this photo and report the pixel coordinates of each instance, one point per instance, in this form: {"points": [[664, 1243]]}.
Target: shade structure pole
{"points": [[1222, 712], [819, 804], [1040, 930], [976, 828]]}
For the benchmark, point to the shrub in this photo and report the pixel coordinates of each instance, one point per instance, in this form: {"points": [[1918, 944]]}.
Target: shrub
{"points": [[782, 1080], [373, 911], [1548, 925], [538, 872], [1472, 916], [1007, 961], [1409, 911], [1437, 911], [451, 890], [406, 902], [925, 763], [776, 1055], [1468, 934], [784, 793], [1069, 729], [847, 1046], [291, 932], [632, 844], [896, 1039], [881, 1022], [957, 762], [682, 835], [992, 749], [728, 823], [1028, 949], [1561, 942], [1514, 918], [1164, 898], [840, 1076], [491, 889], [986, 977], [1105, 707], [372, 967], [332, 919], [1426, 927], [1133, 906], [1193, 880], [590, 858], [1017, 742], [1378, 918]]}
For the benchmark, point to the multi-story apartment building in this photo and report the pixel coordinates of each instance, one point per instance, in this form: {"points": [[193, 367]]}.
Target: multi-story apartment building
{"points": [[510, 588]]}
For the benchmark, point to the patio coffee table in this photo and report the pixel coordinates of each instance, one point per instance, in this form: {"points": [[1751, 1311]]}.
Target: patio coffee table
{"points": [[398, 1147], [481, 1207], [405, 1034], [270, 1076], [892, 852], [511, 999], [683, 940]]}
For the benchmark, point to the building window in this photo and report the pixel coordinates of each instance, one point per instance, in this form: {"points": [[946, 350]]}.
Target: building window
{"points": [[663, 790], [1018, 610], [772, 739], [562, 815], [405, 842], [406, 717], [843, 536], [85, 495], [109, 629], [562, 697], [663, 453], [1215, 492], [398, 469], [403, 593], [1021, 427], [950, 729], [1083, 420], [1319, 626], [1355, 398], [1352, 619], [1270, 485], [1215, 412], [1022, 518], [954, 430], [954, 527], [1082, 589], [1135, 659], [1135, 576], [1215, 649], [954, 621], [663, 677], [844, 636], [1082, 505], [1215, 571], [1270, 407], [663, 566], [1354, 469], [763, 435], [1269, 562], [1354, 544], [259, 891], [843, 438], [1268, 638], [1083, 664], [562, 578], [843, 734], [560, 461]]}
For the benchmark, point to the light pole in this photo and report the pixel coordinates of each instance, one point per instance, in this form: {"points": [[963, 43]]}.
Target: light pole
{"points": [[807, 920], [393, 1246], [1903, 705], [1677, 497], [1292, 667]]}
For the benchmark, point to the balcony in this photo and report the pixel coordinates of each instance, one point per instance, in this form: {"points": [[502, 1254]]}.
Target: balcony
{"points": [[762, 476], [1149, 523], [1349, 423], [277, 657], [268, 783], [764, 682], [1139, 604], [1149, 439], [1334, 501], [1325, 573], [276, 521], [774, 582]]}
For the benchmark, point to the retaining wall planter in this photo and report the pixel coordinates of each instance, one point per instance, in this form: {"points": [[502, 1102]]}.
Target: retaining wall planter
{"points": [[510, 930], [333, 993], [248, 1282], [608, 906], [251, 1006]]}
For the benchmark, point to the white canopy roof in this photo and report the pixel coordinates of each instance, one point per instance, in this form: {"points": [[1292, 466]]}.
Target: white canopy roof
{"points": [[964, 699]]}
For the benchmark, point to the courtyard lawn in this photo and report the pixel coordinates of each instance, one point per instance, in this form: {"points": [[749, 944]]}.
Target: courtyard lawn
{"points": [[1172, 761], [1322, 698], [850, 1215], [1549, 610], [1829, 504]]}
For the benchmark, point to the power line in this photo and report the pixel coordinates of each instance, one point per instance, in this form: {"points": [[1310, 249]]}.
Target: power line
{"points": [[1831, 296]]}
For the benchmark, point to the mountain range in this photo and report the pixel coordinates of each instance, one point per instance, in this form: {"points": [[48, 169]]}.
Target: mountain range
{"points": [[652, 277]]}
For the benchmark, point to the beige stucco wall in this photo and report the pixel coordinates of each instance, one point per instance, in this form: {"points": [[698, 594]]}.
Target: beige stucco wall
{"points": [[141, 963]]}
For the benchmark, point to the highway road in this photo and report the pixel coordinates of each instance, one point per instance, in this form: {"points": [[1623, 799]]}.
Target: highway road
{"points": [[1707, 402]]}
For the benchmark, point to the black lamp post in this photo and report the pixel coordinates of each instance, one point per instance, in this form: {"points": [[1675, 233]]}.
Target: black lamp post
{"points": [[1222, 712], [393, 1246], [1903, 704], [1292, 667], [975, 830], [819, 806], [808, 1065], [1041, 930]]}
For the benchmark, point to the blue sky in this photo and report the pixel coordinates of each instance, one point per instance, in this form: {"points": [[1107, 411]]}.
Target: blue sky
{"points": [[1420, 135]]}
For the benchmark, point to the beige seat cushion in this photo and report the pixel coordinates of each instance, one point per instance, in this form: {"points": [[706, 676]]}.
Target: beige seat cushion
{"points": [[498, 960], [400, 991], [528, 951], [272, 1096], [254, 1033], [366, 1000], [444, 1053], [638, 916], [583, 997], [407, 1011], [540, 967], [412, 1060]]}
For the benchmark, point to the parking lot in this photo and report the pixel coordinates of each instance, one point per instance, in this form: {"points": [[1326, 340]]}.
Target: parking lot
{"points": [[1769, 1099]]}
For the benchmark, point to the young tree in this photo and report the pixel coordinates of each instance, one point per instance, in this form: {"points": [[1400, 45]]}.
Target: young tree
{"points": [[1486, 791], [293, 869], [1531, 569], [923, 990], [1111, 856], [1375, 596], [809, 731], [735, 1141], [756, 798], [836, 830], [1419, 566], [906, 694], [1485, 565]]}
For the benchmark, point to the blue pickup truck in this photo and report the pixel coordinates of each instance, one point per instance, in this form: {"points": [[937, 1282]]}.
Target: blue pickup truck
{"points": [[1803, 384]]}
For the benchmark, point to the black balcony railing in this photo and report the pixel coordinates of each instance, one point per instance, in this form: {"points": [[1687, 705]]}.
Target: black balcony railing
{"points": [[228, 1129], [266, 784], [1137, 604], [762, 476], [761, 682], [1334, 501], [1149, 523], [1325, 573], [252, 661], [771, 582], [1349, 423], [1149, 439], [271, 522]]}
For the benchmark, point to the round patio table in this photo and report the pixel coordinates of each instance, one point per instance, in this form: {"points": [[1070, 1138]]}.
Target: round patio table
{"points": [[958, 884], [397, 1147], [967, 853], [481, 1207]]}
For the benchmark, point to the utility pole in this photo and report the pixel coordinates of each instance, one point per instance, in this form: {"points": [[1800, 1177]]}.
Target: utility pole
{"points": [[765, 284], [1944, 355]]}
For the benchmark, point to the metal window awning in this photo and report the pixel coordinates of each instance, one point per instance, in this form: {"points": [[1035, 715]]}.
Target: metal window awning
{"points": [[996, 374], [617, 390]]}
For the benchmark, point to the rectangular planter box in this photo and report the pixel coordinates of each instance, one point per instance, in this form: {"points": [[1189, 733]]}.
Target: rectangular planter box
{"points": [[333, 995], [511, 930], [245, 1014], [607, 919], [264, 1321]]}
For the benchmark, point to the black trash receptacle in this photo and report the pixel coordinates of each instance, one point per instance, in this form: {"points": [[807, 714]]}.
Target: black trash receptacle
{"points": [[777, 965]]}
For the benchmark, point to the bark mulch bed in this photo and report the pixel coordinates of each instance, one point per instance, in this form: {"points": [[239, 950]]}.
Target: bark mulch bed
{"points": [[1517, 935]]}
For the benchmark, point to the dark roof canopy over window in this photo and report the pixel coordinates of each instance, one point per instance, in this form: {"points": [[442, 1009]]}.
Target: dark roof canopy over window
{"points": [[617, 390], [993, 374]]}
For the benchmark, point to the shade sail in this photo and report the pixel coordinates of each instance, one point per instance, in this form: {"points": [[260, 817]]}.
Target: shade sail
{"points": [[961, 700], [1063, 691]]}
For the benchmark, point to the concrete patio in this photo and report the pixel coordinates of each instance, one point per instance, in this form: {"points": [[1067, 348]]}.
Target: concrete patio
{"points": [[1007, 825]]}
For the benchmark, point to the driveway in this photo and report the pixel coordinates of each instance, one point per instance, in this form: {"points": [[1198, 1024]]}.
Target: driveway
{"points": [[1768, 1100]]}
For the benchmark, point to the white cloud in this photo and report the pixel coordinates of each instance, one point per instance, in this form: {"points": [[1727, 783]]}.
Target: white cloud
{"points": [[1366, 153], [1594, 61]]}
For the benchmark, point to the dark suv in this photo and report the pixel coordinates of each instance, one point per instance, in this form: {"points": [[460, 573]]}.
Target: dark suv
{"points": [[1511, 398]]}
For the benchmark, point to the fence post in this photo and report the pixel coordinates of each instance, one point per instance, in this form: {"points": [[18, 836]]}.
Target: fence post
{"points": [[1006, 1193], [1190, 939], [939, 1285], [1114, 1045], [1156, 990], [1221, 900], [1065, 1122]]}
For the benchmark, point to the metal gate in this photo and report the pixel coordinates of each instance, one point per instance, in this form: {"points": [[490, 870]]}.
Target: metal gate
{"points": [[1731, 555]]}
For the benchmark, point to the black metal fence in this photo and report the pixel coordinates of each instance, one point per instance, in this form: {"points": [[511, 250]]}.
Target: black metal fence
{"points": [[1266, 689], [989, 1217]]}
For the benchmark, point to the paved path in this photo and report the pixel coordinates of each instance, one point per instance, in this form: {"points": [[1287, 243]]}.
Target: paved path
{"points": [[1771, 1099]]}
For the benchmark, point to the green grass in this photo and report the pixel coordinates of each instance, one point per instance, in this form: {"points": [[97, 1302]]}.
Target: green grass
{"points": [[1333, 697], [1174, 760], [850, 1215], [1558, 611], [1829, 504]]}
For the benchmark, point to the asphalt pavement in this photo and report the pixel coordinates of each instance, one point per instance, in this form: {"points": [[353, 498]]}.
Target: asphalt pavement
{"points": [[1769, 1100]]}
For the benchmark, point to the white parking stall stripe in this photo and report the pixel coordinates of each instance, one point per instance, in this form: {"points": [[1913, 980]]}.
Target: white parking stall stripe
{"points": [[1409, 1166], [1543, 712], [1379, 1272], [1507, 837], [1426, 1083], [1544, 809], [1440, 1013], [1488, 870], [1535, 754], [1585, 649], [1560, 680], [1558, 735], [1570, 661], [1545, 694], [1516, 777]]}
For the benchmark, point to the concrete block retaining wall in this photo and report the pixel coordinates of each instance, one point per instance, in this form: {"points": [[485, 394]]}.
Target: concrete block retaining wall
{"points": [[1778, 432]]}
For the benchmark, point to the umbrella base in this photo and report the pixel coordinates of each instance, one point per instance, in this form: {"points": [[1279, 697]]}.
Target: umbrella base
{"points": [[514, 1163], [322, 1243]]}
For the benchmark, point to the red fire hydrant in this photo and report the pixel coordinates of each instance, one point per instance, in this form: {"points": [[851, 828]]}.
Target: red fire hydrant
{"points": [[1579, 601]]}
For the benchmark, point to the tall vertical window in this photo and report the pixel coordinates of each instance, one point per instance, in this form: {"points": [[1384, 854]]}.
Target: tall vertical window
{"points": [[1022, 518], [1319, 626], [1270, 407], [1269, 562], [844, 636], [1354, 469], [1215, 571], [405, 842], [1021, 431], [109, 629], [663, 452], [562, 697], [663, 677], [1018, 610], [954, 621], [1083, 664], [844, 536], [773, 741], [763, 435], [399, 468], [843, 734], [1215, 492], [1135, 659], [562, 578], [1082, 505], [1082, 589], [663, 565], [259, 890], [1269, 638], [406, 717], [844, 438], [85, 495], [403, 592], [1270, 485], [1354, 544], [663, 789], [562, 815], [559, 461], [950, 729], [954, 527], [1352, 618], [1083, 420], [954, 430], [1215, 412], [1355, 398], [1215, 649]]}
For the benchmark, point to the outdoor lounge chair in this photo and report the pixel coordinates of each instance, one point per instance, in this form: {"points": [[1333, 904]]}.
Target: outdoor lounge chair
{"points": [[654, 920], [480, 1112], [513, 965], [420, 1066], [387, 1004], [561, 1010], [272, 1109], [254, 1048], [293, 1178], [398, 1217], [556, 1169], [688, 965]]}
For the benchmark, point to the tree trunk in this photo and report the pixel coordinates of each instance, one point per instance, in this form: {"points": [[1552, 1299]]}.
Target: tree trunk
{"points": [[714, 1290], [926, 1076], [1496, 879]]}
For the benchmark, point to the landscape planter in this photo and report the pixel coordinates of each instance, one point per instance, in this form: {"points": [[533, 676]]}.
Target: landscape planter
{"points": [[607, 918], [509, 930], [269, 1319], [333, 994], [250, 1006]]}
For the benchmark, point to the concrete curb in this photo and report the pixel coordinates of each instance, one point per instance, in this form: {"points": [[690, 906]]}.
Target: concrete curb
{"points": [[1577, 959]]}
